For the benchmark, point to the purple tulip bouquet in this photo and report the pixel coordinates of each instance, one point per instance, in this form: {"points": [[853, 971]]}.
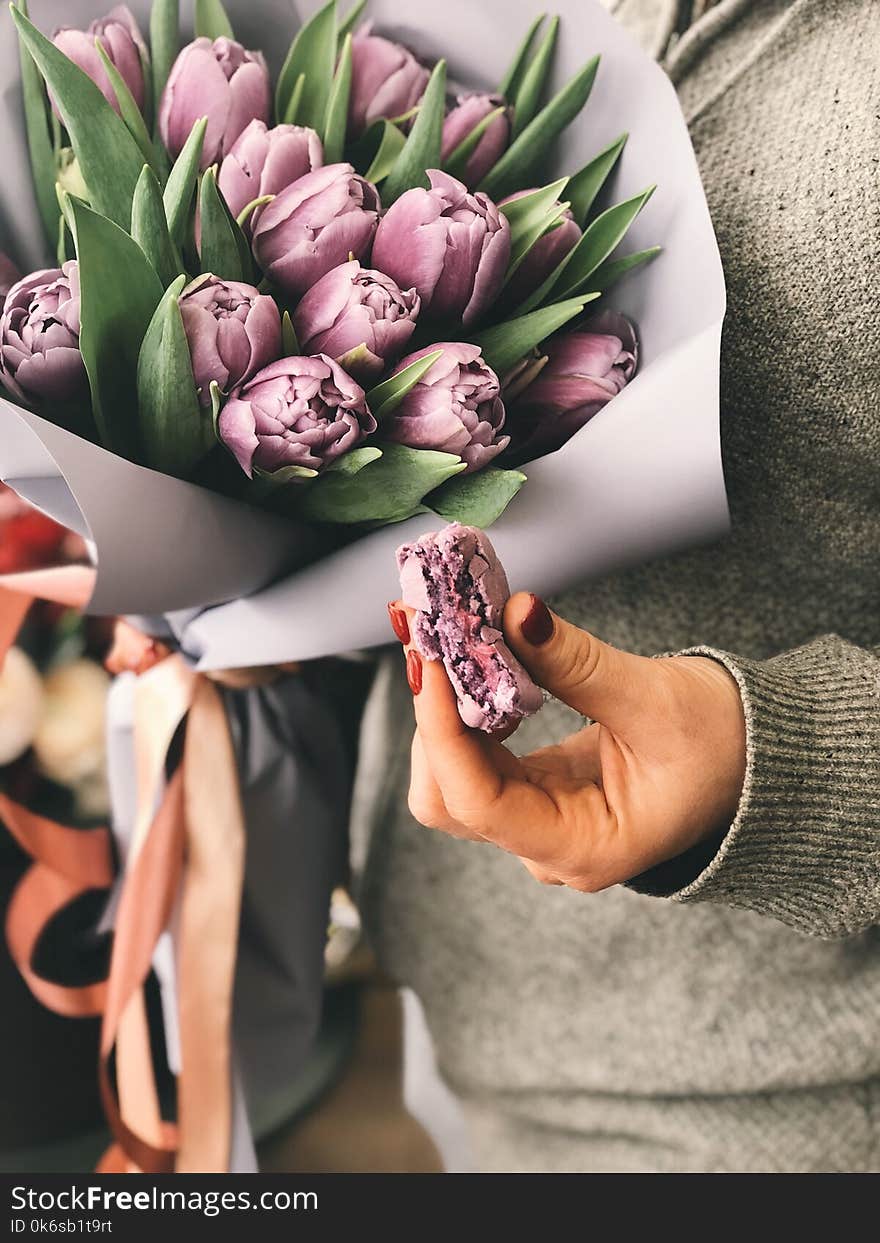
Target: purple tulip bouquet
{"points": [[348, 299]]}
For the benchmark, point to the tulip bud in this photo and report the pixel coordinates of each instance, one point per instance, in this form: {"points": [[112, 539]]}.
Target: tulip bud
{"points": [[233, 331], [456, 407], [543, 258], [300, 411], [119, 36], [463, 119], [9, 275], [315, 225], [219, 80], [39, 337], [266, 161], [585, 369], [452, 246], [386, 80], [355, 309]]}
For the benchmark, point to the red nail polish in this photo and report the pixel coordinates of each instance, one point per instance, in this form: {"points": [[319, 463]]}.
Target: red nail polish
{"points": [[537, 625], [399, 624], [414, 671]]}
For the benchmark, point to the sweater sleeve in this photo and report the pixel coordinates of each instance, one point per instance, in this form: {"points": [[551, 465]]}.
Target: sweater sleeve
{"points": [[804, 847]]}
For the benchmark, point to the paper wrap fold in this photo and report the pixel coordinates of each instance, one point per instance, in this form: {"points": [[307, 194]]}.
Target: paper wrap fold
{"points": [[642, 479]]}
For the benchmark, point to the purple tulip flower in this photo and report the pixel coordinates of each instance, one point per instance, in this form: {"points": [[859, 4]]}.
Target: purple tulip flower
{"points": [[386, 80], [303, 412], [266, 161], [586, 368], [452, 246], [543, 258], [354, 307], [314, 225], [456, 407], [119, 36], [469, 111], [39, 337], [219, 80], [233, 331]]}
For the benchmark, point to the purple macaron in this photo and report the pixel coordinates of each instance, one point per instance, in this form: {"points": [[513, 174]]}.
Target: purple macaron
{"points": [[457, 586]]}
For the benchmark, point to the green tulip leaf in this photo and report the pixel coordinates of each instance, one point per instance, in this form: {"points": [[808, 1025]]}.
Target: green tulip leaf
{"points": [[423, 146], [529, 217], [540, 295], [119, 291], [266, 483], [164, 43], [313, 55], [376, 151], [65, 206], [211, 21], [175, 432], [544, 226], [476, 500], [510, 83], [355, 460], [388, 395], [289, 343], [504, 345], [40, 145], [597, 243], [181, 184], [337, 108], [149, 228], [108, 156], [249, 208], [456, 164], [131, 113], [224, 250], [216, 406], [612, 270], [531, 147], [348, 23], [527, 96], [61, 255], [296, 95], [359, 355], [586, 184], [388, 489], [148, 109]]}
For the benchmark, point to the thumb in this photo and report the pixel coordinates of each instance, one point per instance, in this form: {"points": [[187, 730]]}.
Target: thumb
{"points": [[596, 680]]}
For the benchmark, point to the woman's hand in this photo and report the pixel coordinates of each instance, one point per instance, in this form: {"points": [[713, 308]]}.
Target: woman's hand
{"points": [[660, 771]]}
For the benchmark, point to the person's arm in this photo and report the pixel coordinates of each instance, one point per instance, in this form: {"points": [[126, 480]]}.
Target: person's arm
{"points": [[702, 776], [804, 847]]}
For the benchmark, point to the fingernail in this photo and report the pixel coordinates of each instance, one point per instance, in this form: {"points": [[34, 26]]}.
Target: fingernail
{"points": [[537, 625], [399, 624], [414, 671]]}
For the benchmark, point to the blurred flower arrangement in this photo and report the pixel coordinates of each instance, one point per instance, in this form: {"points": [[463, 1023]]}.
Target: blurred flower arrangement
{"points": [[334, 298], [53, 687]]}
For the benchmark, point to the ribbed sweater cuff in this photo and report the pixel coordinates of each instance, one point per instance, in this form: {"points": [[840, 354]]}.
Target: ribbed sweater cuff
{"points": [[805, 845]]}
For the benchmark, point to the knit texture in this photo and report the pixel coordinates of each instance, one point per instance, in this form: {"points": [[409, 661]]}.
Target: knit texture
{"points": [[805, 845], [735, 1025]]}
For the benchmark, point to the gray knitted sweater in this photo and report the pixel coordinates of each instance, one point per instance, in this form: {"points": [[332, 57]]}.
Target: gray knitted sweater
{"points": [[734, 1023]]}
